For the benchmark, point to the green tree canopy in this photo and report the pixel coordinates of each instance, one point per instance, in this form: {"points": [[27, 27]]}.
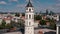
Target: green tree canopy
{"points": [[3, 22], [21, 23], [17, 14], [52, 23], [37, 17], [42, 22], [2, 26]]}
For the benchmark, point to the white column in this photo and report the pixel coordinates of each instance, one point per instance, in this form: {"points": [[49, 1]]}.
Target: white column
{"points": [[57, 30]]}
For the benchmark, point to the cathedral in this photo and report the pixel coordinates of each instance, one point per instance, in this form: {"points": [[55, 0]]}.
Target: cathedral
{"points": [[29, 19]]}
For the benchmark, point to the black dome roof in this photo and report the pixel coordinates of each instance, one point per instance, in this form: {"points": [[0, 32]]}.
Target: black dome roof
{"points": [[29, 4]]}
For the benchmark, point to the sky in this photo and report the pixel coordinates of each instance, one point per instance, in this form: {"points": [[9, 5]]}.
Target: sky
{"points": [[20, 5]]}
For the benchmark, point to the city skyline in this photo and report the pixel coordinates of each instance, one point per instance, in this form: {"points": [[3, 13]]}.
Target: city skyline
{"points": [[39, 5]]}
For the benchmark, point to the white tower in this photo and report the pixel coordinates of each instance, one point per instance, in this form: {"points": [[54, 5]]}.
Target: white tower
{"points": [[29, 19]]}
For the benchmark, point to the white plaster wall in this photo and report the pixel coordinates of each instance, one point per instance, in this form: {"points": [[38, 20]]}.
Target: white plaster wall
{"points": [[7, 21]]}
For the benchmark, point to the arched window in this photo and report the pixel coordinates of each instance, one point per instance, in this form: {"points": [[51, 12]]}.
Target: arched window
{"points": [[29, 9], [29, 16]]}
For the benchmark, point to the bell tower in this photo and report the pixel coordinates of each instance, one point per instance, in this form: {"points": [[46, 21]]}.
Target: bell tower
{"points": [[29, 19]]}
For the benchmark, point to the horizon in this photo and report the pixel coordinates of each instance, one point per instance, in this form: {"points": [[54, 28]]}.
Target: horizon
{"points": [[39, 5]]}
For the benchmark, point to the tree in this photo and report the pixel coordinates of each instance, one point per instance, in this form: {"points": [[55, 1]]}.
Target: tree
{"points": [[12, 23], [8, 26], [37, 17], [21, 23], [48, 19], [3, 23], [17, 14], [42, 22], [52, 23]]}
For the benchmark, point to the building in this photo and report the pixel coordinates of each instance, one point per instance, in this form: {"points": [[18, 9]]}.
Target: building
{"points": [[58, 27], [55, 17], [29, 19], [7, 19], [15, 19]]}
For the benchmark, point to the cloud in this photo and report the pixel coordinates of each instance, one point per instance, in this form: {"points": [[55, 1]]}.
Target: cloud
{"points": [[3, 2], [28, 0], [21, 5], [58, 5], [58, 0], [13, 0], [19, 8]]}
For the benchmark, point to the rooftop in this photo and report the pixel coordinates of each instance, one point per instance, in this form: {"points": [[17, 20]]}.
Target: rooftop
{"points": [[58, 23], [29, 4]]}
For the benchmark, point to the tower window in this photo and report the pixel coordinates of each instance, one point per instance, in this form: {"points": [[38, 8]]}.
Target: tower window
{"points": [[29, 23], [29, 16], [29, 9]]}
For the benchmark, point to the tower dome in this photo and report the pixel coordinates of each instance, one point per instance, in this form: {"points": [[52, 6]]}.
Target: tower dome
{"points": [[29, 4]]}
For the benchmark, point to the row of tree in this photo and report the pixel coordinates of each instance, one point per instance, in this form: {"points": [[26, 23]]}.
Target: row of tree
{"points": [[43, 22], [12, 24]]}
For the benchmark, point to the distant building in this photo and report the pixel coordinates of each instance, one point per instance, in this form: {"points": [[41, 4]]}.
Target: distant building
{"points": [[7, 19], [44, 17], [15, 19], [55, 17]]}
